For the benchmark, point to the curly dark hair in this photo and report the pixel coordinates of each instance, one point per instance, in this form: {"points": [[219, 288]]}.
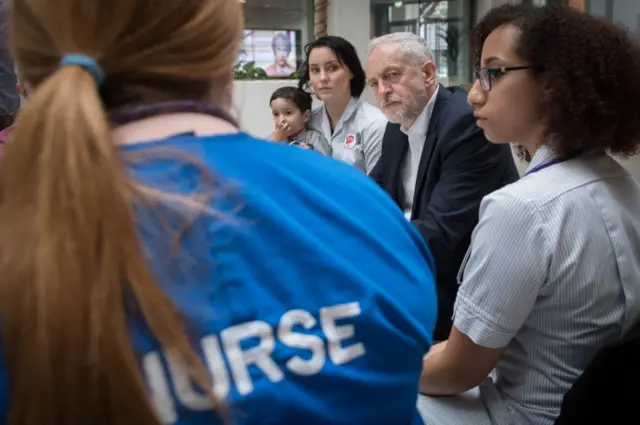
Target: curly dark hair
{"points": [[588, 72]]}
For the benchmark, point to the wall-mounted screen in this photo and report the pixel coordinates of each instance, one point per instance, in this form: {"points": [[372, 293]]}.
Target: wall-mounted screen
{"points": [[275, 51]]}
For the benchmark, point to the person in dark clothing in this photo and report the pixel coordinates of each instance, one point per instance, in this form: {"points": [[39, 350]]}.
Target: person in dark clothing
{"points": [[436, 163]]}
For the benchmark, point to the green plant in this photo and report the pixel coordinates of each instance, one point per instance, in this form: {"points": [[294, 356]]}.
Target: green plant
{"points": [[249, 71]]}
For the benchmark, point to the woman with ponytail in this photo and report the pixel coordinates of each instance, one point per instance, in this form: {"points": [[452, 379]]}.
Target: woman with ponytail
{"points": [[158, 266]]}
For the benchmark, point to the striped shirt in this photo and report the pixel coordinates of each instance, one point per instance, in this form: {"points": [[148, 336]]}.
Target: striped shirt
{"points": [[553, 274], [315, 140]]}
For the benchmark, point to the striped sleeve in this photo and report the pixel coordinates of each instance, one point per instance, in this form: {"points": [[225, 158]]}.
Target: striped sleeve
{"points": [[318, 142], [505, 271]]}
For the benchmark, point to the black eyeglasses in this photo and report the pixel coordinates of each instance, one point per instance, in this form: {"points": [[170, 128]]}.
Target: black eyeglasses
{"points": [[486, 75]]}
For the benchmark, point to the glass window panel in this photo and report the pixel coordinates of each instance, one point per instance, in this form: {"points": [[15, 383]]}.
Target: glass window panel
{"points": [[623, 12], [445, 25]]}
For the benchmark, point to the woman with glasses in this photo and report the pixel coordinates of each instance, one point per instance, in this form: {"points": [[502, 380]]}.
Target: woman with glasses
{"points": [[553, 271]]}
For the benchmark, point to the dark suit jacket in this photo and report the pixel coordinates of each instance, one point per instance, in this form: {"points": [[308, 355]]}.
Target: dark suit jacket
{"points": [[457, 169]]}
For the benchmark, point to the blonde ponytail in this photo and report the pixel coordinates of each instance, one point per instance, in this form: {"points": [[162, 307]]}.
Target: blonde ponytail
{"points": [[69, 256]]}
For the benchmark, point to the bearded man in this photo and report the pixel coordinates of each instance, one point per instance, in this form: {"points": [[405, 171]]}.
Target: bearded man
{"points": [[436, 163]]}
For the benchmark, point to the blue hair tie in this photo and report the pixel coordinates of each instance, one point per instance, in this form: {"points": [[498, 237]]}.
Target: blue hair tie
{"points": [[84, 61]]}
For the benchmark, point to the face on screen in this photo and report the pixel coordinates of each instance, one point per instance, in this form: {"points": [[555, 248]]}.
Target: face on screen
{"points": [[282, 50], [272, 50]]}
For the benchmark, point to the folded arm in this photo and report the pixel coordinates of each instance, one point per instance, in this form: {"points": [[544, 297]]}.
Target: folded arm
{"points": [[501, 283]]}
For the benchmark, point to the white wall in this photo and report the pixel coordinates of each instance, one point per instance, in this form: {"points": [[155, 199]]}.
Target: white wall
{"points": [[351, 19], [622, 12]]}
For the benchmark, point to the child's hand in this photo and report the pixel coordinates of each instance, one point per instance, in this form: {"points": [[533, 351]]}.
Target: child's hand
{"points": [[22, 89], [282, 131]]}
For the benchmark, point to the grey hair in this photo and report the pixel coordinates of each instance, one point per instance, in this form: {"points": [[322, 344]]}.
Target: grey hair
{"points": [[412, 46]]}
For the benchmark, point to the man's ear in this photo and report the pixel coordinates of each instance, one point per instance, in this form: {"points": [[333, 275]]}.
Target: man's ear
{"points": [[430, 73]]}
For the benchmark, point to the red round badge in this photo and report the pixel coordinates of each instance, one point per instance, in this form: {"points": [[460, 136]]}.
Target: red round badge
{"points": [[350, 141]]}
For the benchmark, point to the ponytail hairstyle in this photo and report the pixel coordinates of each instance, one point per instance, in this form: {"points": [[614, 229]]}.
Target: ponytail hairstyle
{"points": [[70, 251]]}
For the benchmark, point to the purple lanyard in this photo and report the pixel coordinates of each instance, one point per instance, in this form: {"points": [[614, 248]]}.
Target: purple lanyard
{"points": [[129, 114], [547, 164]]}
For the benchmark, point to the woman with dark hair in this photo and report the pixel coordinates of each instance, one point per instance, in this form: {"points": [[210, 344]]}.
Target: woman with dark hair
{"points": [[355, 128], [553, 271]]}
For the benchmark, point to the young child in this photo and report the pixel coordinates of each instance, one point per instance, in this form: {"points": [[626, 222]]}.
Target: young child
{"points": [[291, 108]]}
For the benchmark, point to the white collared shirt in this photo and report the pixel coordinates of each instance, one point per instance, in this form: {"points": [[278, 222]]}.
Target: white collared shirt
{"points": [[550, 277], [417, 135], [357, 137]]}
